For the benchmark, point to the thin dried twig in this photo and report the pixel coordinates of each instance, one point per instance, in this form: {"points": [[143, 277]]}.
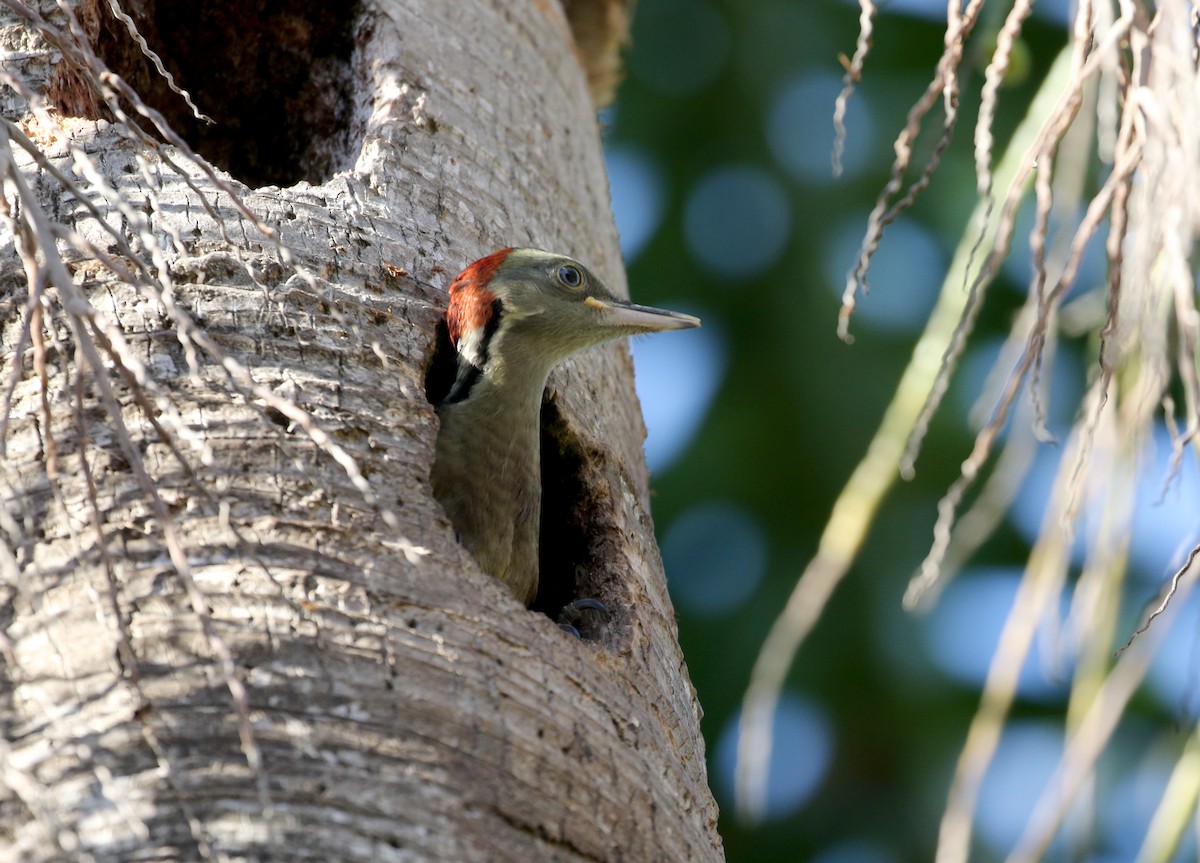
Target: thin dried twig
{"points": [[854, 68], [944, 82], [1083, 67], [1168, 596], [1128, 99], [856, 505], [130, 26], [993, 77]]}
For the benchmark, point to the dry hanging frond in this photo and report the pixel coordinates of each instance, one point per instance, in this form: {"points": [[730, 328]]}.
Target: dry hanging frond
{"points": [[1123, 102]]}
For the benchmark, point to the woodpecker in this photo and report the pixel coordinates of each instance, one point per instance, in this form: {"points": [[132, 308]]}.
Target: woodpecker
{"points": [[513, 316]]}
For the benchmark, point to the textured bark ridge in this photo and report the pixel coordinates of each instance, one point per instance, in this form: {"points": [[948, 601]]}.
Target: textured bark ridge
{"points": [[269, 644]]}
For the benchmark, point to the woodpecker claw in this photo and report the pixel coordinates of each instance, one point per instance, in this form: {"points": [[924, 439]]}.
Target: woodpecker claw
{"points": [[572, 613]]}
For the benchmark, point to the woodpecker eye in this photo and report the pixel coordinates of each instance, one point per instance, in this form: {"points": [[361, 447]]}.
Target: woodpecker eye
{"points": [[570, 276]]}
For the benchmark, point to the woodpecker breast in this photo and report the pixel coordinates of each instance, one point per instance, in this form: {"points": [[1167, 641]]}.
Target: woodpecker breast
{"points": [[512, 317]]}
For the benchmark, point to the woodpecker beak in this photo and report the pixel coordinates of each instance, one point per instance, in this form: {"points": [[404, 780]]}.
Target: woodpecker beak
{"points": [[618, 314]]}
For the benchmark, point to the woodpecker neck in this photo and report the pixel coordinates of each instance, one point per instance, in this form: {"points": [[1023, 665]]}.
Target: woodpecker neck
{"points": [[488, 469], [491, 355], [508, 389]]}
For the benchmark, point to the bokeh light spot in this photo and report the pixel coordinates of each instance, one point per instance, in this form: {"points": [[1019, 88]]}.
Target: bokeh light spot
{"points": [[800, 129], [737, 221], [1028, 509], [677, 378], [800, 756], [1025, 759], [1166, 518], [855, 851], [1166, 521], [714, 555], [1061, 383], [1018, 265], [636, 184], [1127, 809], [964, 630], [906, 273]]}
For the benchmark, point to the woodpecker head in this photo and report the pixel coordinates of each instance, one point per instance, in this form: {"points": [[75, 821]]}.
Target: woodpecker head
{"points": [[524, 311]]}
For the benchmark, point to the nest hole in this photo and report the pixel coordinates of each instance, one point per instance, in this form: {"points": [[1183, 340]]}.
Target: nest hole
{"points": [[441, 366], [572, 533], [277, 78], [569, 554]]}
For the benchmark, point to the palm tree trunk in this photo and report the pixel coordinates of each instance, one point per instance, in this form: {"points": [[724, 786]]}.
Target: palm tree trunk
{"points": [[234, 623]]}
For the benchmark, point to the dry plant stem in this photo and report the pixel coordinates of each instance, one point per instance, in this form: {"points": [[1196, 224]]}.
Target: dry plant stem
{"points": [[30, 319], [78, 309], [131, 27], [866, 18], [32, 794], [958, 29], [1099, 695], [1083, 68], [1085, 744], [856, 505], [190, 336], [1096, 599], [1045, 573], [1137, 349], [1165, 201], [984, 441], [1028, 426], [113, 90], [1072, 164], [1095, 726], [1039, 589], [1176, 84], [945, 81], [1006, 38], [980, 521], [1177, 809]]}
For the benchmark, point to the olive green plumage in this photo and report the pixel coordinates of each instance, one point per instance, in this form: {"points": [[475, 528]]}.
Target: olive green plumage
{"points": [[513, 317]]}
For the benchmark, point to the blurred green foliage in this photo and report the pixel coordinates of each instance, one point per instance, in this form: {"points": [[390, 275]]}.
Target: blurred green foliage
{"points": [[797, 406]]}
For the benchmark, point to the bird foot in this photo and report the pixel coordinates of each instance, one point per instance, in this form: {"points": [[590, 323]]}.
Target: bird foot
{"points": [[572, 613]]}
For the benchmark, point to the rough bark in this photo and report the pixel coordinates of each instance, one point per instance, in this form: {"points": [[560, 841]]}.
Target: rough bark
{"points": [[270, 646]]}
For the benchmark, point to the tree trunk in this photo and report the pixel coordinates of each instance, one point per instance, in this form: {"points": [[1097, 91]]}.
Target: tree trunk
{"points": [[235, 623]]}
